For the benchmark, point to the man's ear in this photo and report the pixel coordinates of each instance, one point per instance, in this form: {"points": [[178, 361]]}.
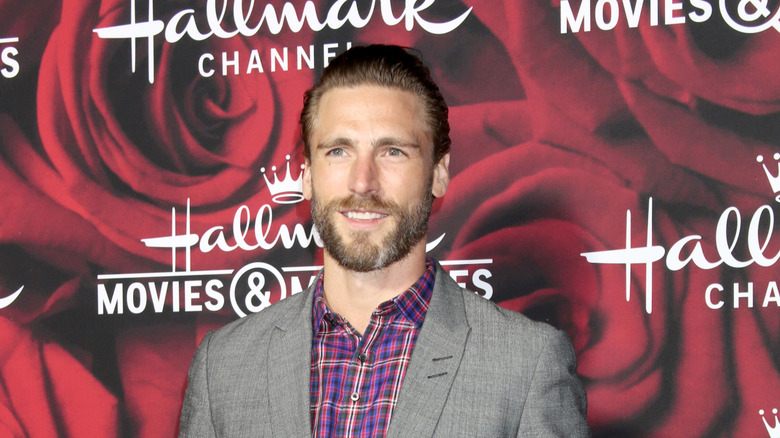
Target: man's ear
{"points": [[307, 179], [441, 176]]}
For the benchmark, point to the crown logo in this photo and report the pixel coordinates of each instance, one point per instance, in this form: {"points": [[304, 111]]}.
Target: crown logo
{"points": [[288, 190], [774, 180], [774, 431]]}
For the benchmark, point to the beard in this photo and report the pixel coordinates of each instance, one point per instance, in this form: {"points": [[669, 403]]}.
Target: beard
{"points": [[361, 254]]}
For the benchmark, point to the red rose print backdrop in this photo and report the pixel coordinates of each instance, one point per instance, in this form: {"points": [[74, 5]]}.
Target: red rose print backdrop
{"points": [[614, 174]]}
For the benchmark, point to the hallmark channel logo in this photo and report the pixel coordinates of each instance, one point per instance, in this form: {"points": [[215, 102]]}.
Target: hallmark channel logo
{"points": [[246, 20], [688, 250], [744, 16], [288, 190], [9, 66], [773, 431], [254, 286]]}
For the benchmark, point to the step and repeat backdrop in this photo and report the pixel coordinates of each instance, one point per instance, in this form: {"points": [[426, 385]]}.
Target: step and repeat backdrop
{"points": [[615, 173]]}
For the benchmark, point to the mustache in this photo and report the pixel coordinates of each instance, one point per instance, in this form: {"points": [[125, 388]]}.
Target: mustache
{"points": [[371, 202]]}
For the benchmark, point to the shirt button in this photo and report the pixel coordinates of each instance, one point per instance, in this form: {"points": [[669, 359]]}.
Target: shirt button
{"points": [[362, 357], [354, 397]]}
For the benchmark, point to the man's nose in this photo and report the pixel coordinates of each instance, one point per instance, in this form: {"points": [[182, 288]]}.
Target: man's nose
{"points": [[363, 176]]}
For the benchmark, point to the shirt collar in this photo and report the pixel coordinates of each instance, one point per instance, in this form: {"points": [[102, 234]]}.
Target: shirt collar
{"points": [[412, 303]]}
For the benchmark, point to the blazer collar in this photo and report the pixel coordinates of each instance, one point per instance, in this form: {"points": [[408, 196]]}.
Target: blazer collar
{"points": [[429, 375], [434, 363], [289, 362]]}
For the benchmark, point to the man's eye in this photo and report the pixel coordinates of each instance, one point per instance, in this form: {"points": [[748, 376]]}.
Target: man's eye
{"points": [[395, 152], [337, 152]]}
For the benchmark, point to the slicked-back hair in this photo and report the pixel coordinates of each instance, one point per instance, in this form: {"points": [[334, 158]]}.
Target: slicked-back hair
{"points": [[385, 66]]}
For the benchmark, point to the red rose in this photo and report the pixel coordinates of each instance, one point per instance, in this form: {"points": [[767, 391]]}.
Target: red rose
{"points": [[659, 87], [657, 111], [115, 155], [123, 152], [153, 398], [32, 26], [47, 392]]}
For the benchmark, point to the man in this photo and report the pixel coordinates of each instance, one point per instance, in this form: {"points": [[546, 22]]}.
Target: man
{"points": [[384, 343]]}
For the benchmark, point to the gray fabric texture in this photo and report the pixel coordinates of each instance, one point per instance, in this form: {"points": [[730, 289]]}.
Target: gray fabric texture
{"points": [[477, 370]]}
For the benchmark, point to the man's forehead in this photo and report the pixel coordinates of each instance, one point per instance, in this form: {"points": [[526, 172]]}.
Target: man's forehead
{"points": [[389, 91], [393, 102]]}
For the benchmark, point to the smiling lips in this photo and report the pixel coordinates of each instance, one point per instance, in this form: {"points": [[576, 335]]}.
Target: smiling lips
{"points": [[363, 215]]}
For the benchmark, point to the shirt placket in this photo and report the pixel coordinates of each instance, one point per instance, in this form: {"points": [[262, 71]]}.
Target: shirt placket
{"points": [[358, 397]]}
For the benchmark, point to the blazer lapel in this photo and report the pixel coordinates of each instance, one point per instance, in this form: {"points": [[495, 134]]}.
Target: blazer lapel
{"points": [[289, 361], [434, 363]]}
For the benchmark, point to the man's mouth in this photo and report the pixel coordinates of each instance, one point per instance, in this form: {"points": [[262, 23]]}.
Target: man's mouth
{"points": [[363, 215]]}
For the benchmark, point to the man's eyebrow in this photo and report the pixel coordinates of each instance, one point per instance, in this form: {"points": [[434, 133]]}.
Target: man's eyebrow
{"points": [[335, 142], [395, 141]]}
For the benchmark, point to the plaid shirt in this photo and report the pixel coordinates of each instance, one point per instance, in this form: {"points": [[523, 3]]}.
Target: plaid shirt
{"points": [[355, 380]]}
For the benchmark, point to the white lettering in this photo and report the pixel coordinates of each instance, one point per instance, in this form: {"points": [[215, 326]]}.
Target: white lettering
{"points": [[184, 22], [755, 248], [669, 12], [708, 296], [215, 21], [114, 305], [726, 248], [607, 14], [254, 62], [653, 12], [212, 291], [226, 63], [703, 11], [136, 289], [201, 65], [241, 223], [277, 59], [602, 15], [190, 296], [412, 15], [139, 294], [295, 284], [479, 277], [298, 235], [633, 13], [206, 244], [352, 16], [7, 301], [675, 262], [173, 35], [158, 299], [772, 295], [568, 20], [725, 244], [748, 294], [175, 296], [309, 59], [11, 65], [328, 53]]}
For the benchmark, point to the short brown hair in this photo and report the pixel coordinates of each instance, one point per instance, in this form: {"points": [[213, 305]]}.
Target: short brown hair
{"points": [[385, 66]]}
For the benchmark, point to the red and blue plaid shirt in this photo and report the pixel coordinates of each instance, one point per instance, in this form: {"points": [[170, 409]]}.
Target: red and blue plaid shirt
{"points": [[356, 379]]}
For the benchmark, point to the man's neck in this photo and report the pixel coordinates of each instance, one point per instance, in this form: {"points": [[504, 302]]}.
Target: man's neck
{"points": [[355, 295]]}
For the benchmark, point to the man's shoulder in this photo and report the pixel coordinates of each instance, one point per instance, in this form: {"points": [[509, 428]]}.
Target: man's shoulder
{"points": [[485, 313], [494, 325], [512, 339]]}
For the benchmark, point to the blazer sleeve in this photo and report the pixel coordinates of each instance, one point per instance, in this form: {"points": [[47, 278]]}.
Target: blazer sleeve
{"points": [[196, 410], [556, 404]]}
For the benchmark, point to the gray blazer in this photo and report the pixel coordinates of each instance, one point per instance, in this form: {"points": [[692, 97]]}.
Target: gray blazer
{"points": [[477, 370]]}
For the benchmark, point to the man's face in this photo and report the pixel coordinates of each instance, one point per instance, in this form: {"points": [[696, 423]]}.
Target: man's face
{"points": [[371, 176]]}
